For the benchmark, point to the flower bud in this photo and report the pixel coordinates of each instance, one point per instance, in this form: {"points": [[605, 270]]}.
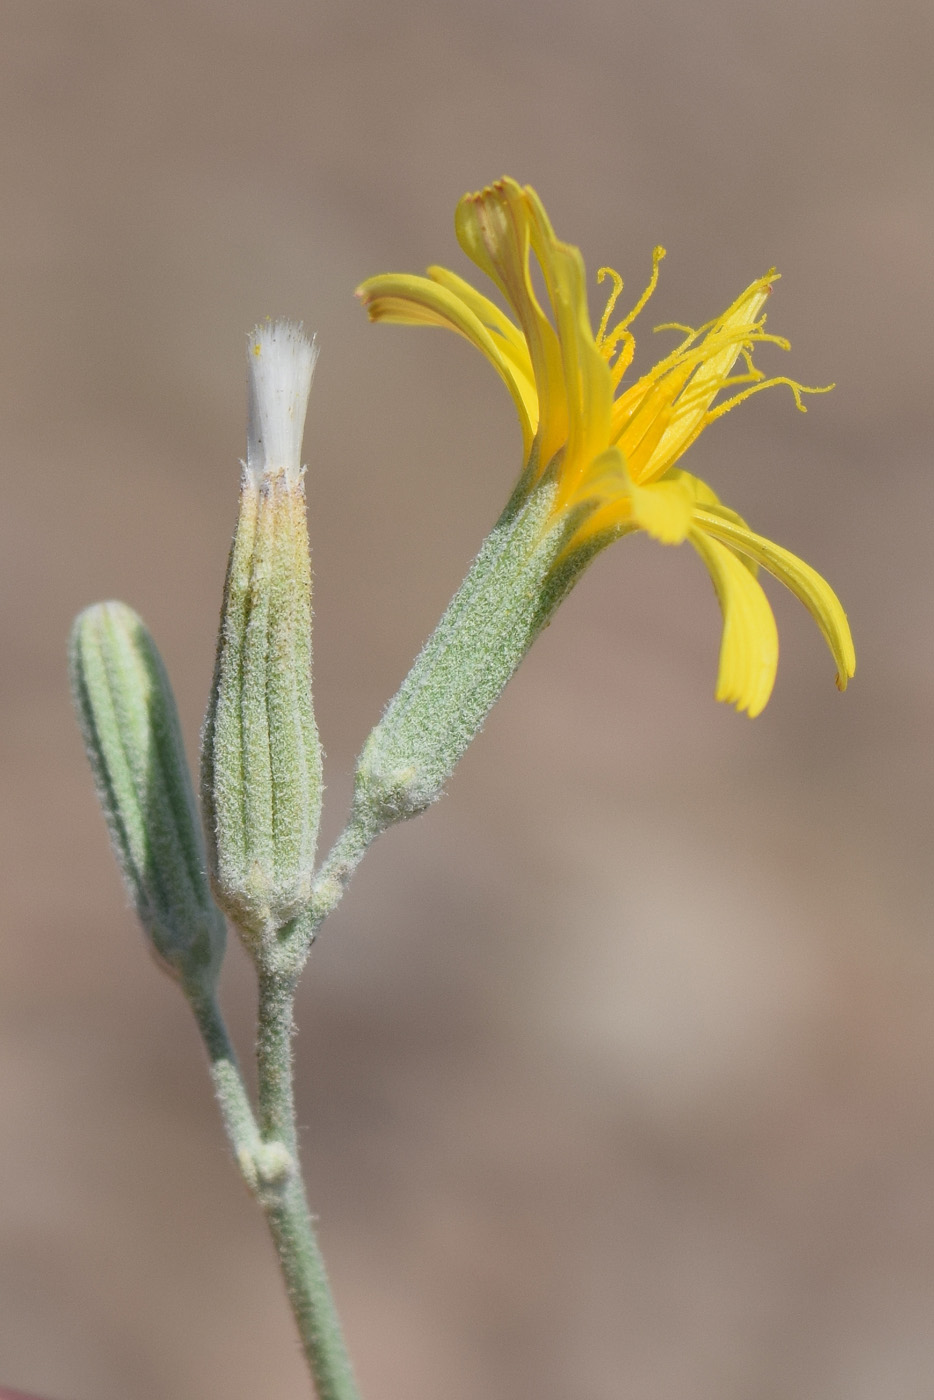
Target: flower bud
{"points": [[508, 596], [260, 754], [130, 726]]}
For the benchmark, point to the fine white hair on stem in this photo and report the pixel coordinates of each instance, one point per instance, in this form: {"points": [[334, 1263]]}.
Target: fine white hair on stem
{"points": [[280, 363]]}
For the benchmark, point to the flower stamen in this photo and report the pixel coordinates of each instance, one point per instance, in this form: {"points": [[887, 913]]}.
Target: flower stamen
{"points": [[796, 388], [603, 273], [621, 338], [689, 331], [627, 350], [658, 253]]}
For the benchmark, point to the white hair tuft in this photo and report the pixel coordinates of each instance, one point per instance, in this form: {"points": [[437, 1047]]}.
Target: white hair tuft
{"points": [[280, 364]]}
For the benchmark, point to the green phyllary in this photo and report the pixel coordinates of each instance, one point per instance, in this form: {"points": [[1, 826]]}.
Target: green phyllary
{"points": [[260, 753], [131, 732]]}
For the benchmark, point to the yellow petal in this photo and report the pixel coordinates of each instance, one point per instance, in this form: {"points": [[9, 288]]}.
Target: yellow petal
{"points": [[664, 509], [721, 346], [701, 493], [722, 342], [494, 229], [615, 504], [749, 647], [705, 497], [587, 382], [806, 583], [602, 506], [485, 310], [420, 301]]}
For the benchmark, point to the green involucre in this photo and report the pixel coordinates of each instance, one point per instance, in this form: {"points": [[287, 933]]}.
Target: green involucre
{"points": [[260, 753], [508, 596], [129, 721]]}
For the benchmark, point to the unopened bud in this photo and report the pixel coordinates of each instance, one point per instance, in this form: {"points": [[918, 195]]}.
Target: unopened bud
{"points": [[131, 732], [508, 596], [260, 754]]}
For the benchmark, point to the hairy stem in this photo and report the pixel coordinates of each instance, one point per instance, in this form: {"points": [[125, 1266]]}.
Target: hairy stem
{"points": [[309, 1292], [267, 1155], [232, 1098], [274, 1058], [331, 880], [286, 1205]]}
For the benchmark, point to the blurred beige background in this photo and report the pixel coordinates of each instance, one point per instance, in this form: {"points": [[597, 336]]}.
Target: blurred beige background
{"points": [[617, 1069]]}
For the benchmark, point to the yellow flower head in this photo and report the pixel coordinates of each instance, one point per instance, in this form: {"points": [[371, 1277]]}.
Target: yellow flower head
{"points": [[612, 451]]}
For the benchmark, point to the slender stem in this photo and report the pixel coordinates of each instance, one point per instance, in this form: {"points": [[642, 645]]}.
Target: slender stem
{"points": [[309, 1293], [331, 880], [286, 1205], [274, 1058], [342, 860], [267, 1155], [267, 1151], [232, 1097]]}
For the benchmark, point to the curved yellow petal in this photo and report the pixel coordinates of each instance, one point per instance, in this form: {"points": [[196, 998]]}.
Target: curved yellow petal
{"points": [[485, 310], [664, 509], [705, 497], [806, 583], [493, 227], [603, 505], [701, 493], [420, 301], [506, 335], [749, 647], [587, 382]]}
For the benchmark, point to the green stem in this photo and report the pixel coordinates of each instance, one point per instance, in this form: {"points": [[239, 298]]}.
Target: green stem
{"points": [[342, 860], [267, 1155], [232, 1097], [286, 1205], [274, 1058], [309, 1293], [331, 880]]}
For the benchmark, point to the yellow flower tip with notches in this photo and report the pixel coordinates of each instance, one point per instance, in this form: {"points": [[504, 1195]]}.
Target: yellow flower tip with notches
{"points": [[611, 450]]}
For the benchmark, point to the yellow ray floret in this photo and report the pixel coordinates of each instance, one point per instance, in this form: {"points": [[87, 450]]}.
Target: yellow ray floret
{"points": [[612, 450]]}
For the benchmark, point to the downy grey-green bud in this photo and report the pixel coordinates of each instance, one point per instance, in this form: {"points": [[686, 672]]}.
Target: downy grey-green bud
{"points": [[260, 754], [508, 596], [130, 726]]}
